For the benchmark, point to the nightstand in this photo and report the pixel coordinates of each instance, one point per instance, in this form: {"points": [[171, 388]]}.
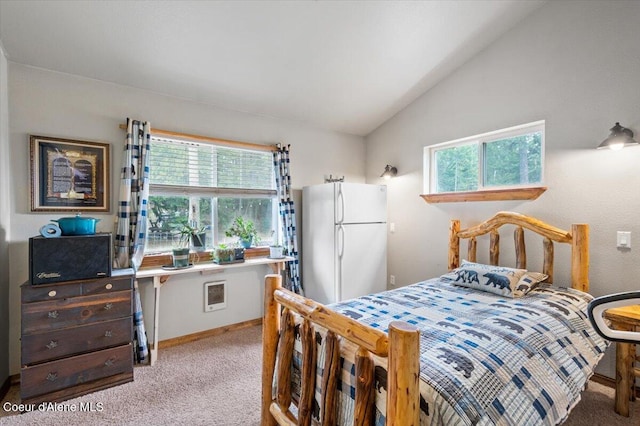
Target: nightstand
{"points": [[627, 319]]}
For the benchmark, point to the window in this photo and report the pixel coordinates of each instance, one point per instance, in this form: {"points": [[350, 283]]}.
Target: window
{"points": [[207, 186], [503, 159]]}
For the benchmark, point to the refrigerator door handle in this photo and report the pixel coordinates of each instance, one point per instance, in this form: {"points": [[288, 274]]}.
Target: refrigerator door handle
{"points": [[338, 282], [340, 206]]}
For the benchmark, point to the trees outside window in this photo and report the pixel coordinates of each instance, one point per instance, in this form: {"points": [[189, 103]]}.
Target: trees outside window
{"points": [[507, 158]]}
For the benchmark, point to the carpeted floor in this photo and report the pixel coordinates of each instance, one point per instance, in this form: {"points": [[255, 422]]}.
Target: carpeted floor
{"points": [[213, 381], [216, 381]]}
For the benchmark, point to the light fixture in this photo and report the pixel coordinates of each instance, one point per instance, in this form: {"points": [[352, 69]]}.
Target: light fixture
{"points": [[618, 139], [389, 172]]}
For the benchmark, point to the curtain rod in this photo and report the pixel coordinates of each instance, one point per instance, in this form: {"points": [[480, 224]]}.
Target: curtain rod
{"points": [[198, 138]]}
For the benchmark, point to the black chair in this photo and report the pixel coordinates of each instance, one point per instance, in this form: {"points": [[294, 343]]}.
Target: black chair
{"points": [[597, 307]]}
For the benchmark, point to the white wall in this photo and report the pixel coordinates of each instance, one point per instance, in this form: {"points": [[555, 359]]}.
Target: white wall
{"points": [[60, 105], [574, 64], [4, 219]]}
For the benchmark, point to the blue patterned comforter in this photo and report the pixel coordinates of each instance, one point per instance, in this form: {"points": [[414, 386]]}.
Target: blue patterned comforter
{"points": [[485, 359]]}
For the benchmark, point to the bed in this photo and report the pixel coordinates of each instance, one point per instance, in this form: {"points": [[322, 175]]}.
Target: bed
{"points": [[482, 344]]}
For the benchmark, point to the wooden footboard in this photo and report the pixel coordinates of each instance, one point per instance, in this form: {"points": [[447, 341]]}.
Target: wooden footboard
{"points": [[400, 347]]}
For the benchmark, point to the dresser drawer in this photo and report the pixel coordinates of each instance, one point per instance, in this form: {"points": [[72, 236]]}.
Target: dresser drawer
{"points": [[41, 293], [38, 347], [106, 285], [67, 372], [32, 293], [62, 313]]}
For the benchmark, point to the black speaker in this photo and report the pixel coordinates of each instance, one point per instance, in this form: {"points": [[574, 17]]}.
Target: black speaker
{"points": [[69, 258]]}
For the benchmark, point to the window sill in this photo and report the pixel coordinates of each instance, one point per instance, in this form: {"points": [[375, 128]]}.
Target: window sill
{"points": [[487, 195], [158, 260]]}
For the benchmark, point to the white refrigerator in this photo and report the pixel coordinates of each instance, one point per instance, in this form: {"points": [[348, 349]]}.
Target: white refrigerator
{"points": [[344, 240]]}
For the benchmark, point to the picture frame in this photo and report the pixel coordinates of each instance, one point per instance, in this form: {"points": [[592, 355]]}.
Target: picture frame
{"points": [[69, 175]]}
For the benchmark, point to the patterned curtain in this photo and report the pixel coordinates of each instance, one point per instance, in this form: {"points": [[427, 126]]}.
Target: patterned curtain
{"points": [[131, 223], [288, 217]]}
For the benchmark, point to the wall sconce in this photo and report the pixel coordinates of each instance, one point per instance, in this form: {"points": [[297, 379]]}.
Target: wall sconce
{"points": [[618, 139], [389, 172]]}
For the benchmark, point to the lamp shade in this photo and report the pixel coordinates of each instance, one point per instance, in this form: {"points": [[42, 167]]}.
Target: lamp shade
{"points": [[619, 138]]}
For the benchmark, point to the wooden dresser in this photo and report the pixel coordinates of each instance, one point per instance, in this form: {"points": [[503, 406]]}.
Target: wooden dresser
{"points": [[76, 337]]}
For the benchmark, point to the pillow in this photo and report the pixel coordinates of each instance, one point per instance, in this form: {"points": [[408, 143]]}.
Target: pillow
{"points": [[493, 279], [528, 282]]}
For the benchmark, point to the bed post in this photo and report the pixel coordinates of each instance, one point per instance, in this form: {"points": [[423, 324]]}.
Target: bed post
{"points": [[580, 257], [454, 244], [270, 327], [403, 389]]}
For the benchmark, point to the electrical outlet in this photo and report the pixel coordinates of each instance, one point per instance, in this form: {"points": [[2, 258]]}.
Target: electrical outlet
{"points": [[392, 279]]}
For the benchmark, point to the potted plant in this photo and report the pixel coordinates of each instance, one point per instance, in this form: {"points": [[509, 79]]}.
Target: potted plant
{"points": [[194, 235], [181, 253], [244, 230], [223, 254], [187, 236], [276, 251]]}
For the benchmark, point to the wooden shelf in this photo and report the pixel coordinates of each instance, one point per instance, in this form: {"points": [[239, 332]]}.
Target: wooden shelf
{"points": [[211, 267], [488, 195], [160, 276], [157, 260]]}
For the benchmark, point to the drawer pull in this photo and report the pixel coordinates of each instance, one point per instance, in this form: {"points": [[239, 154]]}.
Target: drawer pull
{"points": [[52, 344], [108, 306], [53, 314], [52, 293], [109, 362], [52, 377], [108, 286], [108, 333]]}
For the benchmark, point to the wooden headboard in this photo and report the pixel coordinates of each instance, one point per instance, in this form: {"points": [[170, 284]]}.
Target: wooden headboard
{"points": [[578, 238]]}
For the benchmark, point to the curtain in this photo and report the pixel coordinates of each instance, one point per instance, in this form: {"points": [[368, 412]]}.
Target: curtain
{"points": [[288, 218], [131, 223]]}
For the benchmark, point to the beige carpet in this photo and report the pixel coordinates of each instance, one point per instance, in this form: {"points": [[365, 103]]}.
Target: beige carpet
{"points": [[216, 381]]}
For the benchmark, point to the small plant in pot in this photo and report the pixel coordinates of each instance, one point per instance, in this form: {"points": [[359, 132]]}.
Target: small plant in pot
{"points": [[181, 253], [276, 251], [195, 235], [223, 254], [188, 235], [245, 230]]}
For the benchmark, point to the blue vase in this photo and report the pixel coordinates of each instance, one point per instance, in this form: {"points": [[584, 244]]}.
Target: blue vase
{"points": [[246, 243]]}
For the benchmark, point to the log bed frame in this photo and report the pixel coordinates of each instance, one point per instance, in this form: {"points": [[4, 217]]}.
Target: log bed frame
{"points": [[400, 347]]}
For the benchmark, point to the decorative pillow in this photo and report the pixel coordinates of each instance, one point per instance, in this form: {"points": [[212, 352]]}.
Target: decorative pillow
{"points": [[528, 282], [493, 279]]}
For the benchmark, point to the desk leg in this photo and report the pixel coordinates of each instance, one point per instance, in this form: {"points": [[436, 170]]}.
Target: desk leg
{"points": [[153, 353], [632, 372], [277, 267], [624, 374]]}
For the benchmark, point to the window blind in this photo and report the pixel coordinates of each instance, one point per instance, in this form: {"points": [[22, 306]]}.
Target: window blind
{"points": [[186, 166]]}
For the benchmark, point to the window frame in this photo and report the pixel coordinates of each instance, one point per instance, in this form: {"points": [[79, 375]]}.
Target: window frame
{"points": [[481, 140], [159, 258]]}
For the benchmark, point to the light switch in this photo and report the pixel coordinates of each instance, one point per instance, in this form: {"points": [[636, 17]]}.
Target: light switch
{"points": [[624, 239], [392, 227]]}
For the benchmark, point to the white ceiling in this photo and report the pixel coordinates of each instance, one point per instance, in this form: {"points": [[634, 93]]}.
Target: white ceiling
{"points": [[346, 66]]}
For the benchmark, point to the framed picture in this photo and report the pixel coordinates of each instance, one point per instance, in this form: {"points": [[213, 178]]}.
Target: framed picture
{"points": [[69, 175]]}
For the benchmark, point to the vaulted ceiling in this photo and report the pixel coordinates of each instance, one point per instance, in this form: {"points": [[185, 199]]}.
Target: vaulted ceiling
{"points": [[347, 66]]}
